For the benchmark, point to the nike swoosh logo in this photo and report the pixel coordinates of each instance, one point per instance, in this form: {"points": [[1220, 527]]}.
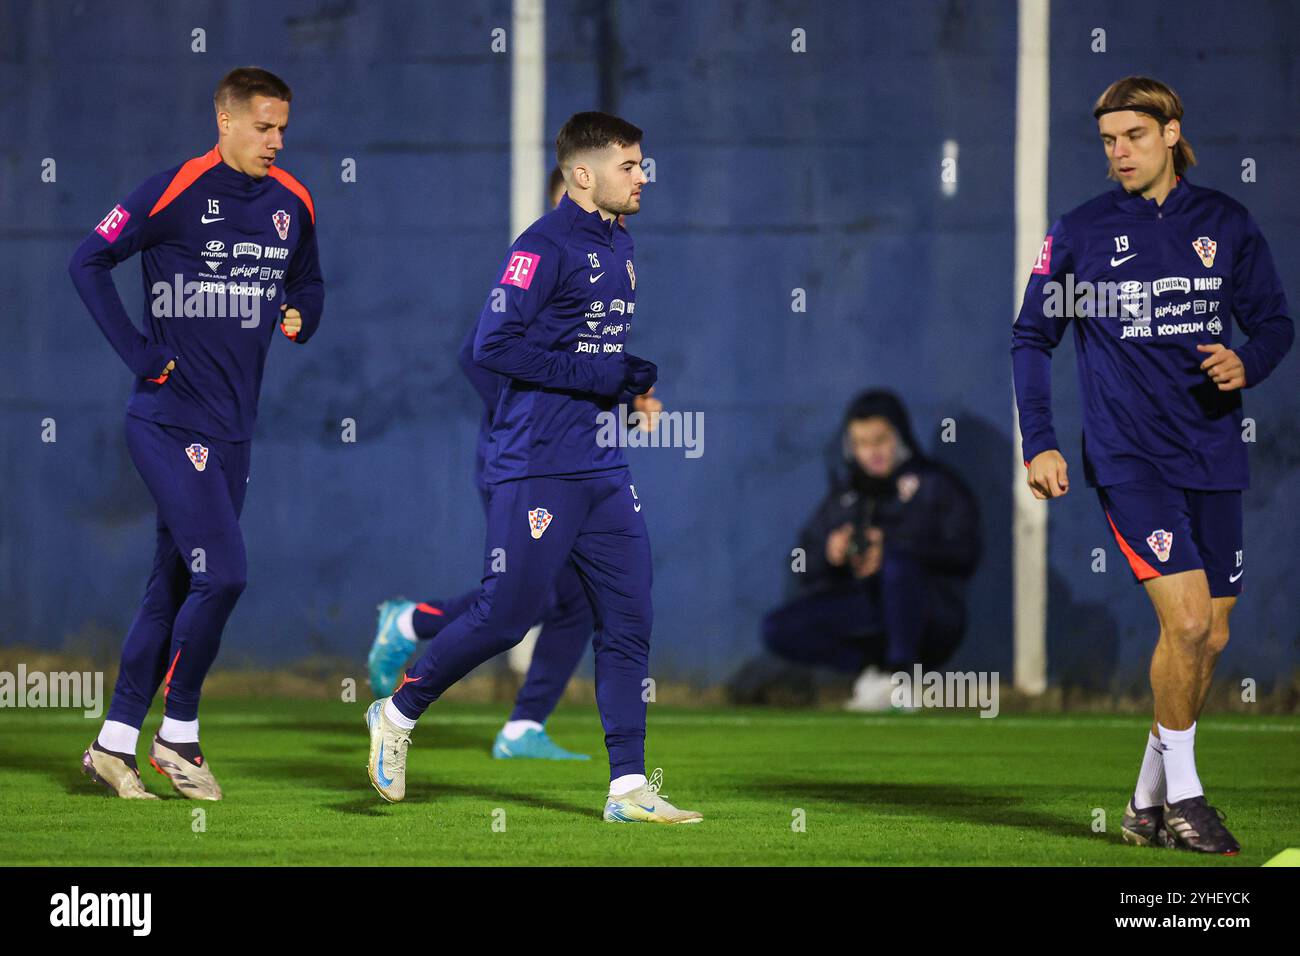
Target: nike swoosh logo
{"points": [[383, 781], [1232, 578], [649, 809], [594, 278], [205, 220], [1120, 262]]}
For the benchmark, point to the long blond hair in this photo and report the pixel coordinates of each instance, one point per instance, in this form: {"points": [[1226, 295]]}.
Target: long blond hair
{"points": [[1145, 95]]}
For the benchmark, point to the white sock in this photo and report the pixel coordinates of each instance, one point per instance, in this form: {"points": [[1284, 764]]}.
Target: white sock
{"points": [[119, 737], [626, 784], [179, 731], [1150, 790], [1179, 746], [397, 717], [405, 625], [514, 729]]}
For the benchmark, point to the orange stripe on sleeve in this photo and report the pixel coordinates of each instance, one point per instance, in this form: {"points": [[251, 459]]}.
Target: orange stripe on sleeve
{"points": [[185, 177], [295, 187]]}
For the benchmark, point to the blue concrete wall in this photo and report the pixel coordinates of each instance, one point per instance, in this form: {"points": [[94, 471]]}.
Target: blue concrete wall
{"points": [[774, 171]]}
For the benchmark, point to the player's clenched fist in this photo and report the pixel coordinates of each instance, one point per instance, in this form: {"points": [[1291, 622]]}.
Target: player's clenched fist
{"points": [[290, 321], [649, 407], [1047, 475], [1223, 367]]}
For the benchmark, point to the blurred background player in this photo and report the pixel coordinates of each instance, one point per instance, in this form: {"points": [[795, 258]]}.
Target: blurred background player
{"points": [[1162, 413], [889, 551], [566, 625], [555, 492], [226, 225]]}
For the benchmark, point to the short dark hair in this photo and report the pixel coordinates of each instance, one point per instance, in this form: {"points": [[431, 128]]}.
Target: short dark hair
{"points": [[244, 82], [593, 130]]}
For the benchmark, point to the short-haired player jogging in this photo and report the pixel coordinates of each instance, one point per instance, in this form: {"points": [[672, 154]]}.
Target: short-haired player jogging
{"points": [[228, 251], [554, 328], [1160, 380], [566, 622]]}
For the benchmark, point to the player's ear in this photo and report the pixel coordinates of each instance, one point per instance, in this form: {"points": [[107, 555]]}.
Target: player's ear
{"points": [[1173, 130]]}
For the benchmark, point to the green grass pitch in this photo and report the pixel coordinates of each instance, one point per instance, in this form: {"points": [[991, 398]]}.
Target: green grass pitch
{"points": [[926, 789]]}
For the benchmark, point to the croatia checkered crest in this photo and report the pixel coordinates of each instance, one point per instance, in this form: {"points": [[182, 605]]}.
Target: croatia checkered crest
{"points": [[198, 456], [1205, 248], [1160, 541], [539, 519], [281, 221]]}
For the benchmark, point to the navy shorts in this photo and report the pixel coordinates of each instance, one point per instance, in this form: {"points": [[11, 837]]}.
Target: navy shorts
{"points": [[1164, 530]]}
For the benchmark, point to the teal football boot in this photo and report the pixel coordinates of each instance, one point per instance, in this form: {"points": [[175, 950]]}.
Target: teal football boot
{"points": [[390, 650], [532, 744]]}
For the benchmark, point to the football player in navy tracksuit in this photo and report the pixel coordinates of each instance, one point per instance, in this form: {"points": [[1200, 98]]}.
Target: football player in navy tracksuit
{"points": [[1154, 272], [228, 251], [566, 622], [555, 329]]}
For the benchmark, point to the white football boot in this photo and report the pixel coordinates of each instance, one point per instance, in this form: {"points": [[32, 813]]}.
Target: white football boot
{"points": [[645, 805], [388, 744]]}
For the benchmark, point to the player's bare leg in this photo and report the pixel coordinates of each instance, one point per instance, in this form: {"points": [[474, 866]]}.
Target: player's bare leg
{"points": [[1175, 672], [1183, 606], [1220, 609], [1181, 668], [1182, 603]]}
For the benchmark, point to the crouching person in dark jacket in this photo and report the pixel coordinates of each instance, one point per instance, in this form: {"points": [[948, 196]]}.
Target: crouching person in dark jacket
{"points": [[888, 554]]}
